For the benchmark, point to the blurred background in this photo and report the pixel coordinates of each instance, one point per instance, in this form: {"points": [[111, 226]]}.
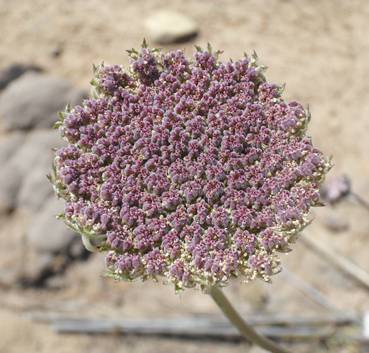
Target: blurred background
{"points": [[320, 49]]}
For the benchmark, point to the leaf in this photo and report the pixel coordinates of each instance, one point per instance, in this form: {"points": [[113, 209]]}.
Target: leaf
{"points": [[132, 53], [281, 89], [198, 48], [218, 53], [144, 44]]}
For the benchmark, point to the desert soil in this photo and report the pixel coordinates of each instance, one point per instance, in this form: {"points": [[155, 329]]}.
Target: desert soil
{"points": [[320, 49]]}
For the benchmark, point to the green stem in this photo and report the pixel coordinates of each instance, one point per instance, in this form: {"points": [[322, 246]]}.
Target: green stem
{"points": [[245, 329]]}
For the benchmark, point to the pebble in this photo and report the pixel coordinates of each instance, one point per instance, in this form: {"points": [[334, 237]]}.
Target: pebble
{"points": [[167, 27], [336, 223], [57, 51], [336, 189]]}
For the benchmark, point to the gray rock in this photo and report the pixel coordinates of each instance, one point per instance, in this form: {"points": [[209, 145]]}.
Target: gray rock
{"points": [[9, 145], [336, 189], [9, 185], [336, 223], [37, 268], [28, 270], [34, 154], [34, 99], [165, 27], [14, 71], [48, 234], [35, 190]]}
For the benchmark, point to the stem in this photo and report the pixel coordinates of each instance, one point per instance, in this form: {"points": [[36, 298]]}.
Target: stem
{"points": [[245, 329]]}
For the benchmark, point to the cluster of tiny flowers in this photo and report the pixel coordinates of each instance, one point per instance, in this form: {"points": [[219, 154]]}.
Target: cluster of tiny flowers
{"points": [[195, 171]]}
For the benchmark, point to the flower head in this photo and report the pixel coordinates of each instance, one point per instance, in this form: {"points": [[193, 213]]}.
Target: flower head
{"points": [[192, 170]]}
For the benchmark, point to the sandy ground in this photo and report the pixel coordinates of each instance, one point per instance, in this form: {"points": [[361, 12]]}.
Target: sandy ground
{"points": [[319, 48]]}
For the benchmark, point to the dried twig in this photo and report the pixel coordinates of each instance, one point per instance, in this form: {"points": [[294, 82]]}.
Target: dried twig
{"points": [[336, 319], [273, 326], [314, 294], [339, 261], [184, 328], [363, 202]]}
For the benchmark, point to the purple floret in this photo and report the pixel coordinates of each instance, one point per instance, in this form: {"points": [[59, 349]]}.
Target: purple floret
{"points": [[195, 171]]}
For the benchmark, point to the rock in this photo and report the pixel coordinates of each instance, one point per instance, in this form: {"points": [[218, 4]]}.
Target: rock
{"points": [[14, 71], [9, 145], [34, 99], [166, 27], [35, 190], [37, 268], [51, 246], [34, 154], [336, 189], [336, 223], [9, 186], [48, 234], [77, 251]]}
